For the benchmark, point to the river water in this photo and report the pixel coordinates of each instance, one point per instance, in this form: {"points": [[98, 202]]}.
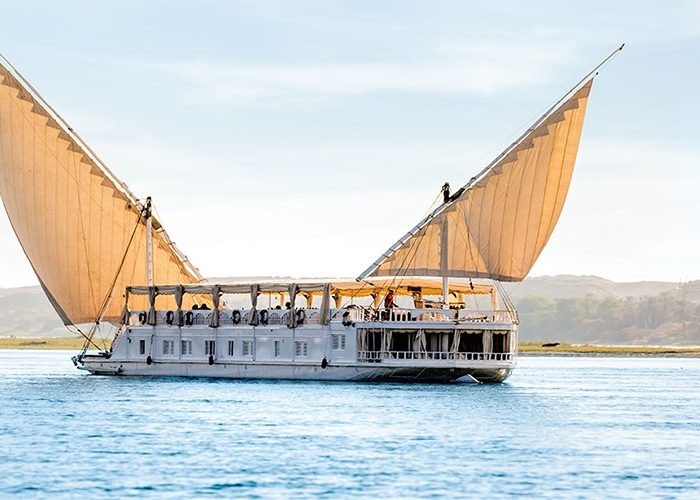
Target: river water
{"points": [[587, 427]]}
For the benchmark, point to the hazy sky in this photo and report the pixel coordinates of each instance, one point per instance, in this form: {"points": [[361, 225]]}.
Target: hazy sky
{"points": [[303, 138]]}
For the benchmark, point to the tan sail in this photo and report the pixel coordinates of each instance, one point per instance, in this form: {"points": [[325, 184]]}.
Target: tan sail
{"points": [[74, 219], [497, 227]]}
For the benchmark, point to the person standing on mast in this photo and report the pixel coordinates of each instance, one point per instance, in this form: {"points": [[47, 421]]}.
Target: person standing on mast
{"points": [[446, 192]]}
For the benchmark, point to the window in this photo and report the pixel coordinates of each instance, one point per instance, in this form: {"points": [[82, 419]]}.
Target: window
{"points": [[278, 348], [230, 348], [142, 346], [301, 349], [209, 347], [247, 348], [338, 342], [168, 347], [186, 347]]}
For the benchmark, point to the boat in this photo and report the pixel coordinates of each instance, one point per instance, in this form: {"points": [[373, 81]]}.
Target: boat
{"points": [[432, 308]]}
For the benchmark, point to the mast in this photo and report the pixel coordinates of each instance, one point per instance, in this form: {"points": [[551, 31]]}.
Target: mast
{"points": [[446, 291], [149, 242]]}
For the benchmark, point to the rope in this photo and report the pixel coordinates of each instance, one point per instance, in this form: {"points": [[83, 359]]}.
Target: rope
{"points": [[380, 291], [423, 223], [108, 298], [548, 111], [88, 340]]}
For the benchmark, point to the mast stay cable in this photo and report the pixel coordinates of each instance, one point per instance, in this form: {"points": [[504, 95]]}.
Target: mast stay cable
{"points": [[485, 170]]}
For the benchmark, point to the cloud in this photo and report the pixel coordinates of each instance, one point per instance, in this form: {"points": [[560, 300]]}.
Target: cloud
{"points": [[452, 68], [165, 168], [630, 213], [621, 157]]}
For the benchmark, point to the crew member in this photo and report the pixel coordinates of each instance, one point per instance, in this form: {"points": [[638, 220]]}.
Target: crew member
{"points": [[446, 192], [389, 300]]}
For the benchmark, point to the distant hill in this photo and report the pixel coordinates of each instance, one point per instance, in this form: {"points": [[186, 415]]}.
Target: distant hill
{"points": [[571, 287], [575, 309], [589, 309], [26, 312]]}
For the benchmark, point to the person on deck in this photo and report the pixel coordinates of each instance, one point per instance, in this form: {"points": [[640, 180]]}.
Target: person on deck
{"points": [[389, 300], [418, 301], [445, 192]]}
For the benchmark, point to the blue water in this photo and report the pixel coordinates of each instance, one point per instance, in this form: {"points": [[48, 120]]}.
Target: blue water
{"points": [[559, 427]]}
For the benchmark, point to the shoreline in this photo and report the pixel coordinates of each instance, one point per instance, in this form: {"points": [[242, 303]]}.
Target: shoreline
{"points": [[525, 349], [591, 350], [608, 354]]}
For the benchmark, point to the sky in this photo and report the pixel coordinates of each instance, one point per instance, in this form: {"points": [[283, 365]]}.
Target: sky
{"points": [[304, 138]]}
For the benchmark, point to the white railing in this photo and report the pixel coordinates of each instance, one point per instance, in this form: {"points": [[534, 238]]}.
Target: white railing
{"points": [[352, 313], [227, 318], [451, 315], [500, 316], [199, 317], [378, 356]]}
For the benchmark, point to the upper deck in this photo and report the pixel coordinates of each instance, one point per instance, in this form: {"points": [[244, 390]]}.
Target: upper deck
{"points": [[311, 317], [430, 336]]}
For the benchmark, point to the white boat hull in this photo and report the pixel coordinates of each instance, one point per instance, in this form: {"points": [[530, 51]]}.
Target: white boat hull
{"points": [[393, 350], [99, 365]]}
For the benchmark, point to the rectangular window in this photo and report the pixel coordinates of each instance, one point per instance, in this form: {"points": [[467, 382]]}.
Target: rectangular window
{"points": [[338, 342], [209, 347], [230, 348], [278, 348], [247, 348], [168, 347], [301, 349], [186, 346], [142, 346]]}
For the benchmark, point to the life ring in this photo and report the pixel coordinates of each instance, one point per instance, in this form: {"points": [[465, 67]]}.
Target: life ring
{"points": [[211, 359], [264, 317], [189, 318], [346, 319], [149, 360], [301, 316], [236, 317], [169, 317], [142, 318]]}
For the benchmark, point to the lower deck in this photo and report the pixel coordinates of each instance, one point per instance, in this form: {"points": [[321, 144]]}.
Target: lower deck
{"points": [[391, 350]]}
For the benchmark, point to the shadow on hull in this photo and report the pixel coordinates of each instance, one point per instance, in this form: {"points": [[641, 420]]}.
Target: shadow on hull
{"points": [[435, 375]]}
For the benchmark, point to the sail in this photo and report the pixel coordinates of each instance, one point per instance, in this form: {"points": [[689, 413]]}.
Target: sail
{"points": [[80, 227], [497, 225]]}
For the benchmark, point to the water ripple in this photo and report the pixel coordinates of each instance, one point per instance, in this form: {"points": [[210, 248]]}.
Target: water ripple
{"points": [[560, 427]]}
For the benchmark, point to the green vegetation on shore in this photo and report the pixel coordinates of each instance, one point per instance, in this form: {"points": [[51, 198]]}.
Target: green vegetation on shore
{"points": [[665, 319], [43, 343], [569, 309], [533, 348]]}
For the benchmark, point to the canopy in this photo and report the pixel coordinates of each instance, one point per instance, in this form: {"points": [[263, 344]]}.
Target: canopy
{"points": [[347, 288], [80, 226], [498, 223]]}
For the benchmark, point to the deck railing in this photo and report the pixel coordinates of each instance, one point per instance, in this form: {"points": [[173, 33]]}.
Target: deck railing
{"points": [[460, 315], [350, 314], [378, 356]]}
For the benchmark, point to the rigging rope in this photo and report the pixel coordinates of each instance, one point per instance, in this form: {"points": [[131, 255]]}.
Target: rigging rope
{"points": [[391, 285], [423, 223], [108, 298]]}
